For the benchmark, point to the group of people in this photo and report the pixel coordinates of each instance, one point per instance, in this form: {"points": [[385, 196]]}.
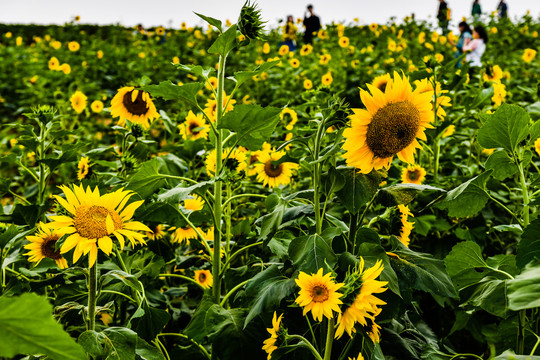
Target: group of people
{"points": [[312, 24], [443, 14]]}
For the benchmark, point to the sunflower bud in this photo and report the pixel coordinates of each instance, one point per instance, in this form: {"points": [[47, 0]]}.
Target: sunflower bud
{"points": [[249, 22], [137, 130]]}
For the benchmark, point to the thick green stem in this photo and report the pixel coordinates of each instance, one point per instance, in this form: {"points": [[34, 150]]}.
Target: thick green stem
{"points": [[92, 298], [41, 190], [329, 339], [2, 273], [306, 343], [437, 152], [316, 180], [228, 222], [520, 347], [233, 290]]}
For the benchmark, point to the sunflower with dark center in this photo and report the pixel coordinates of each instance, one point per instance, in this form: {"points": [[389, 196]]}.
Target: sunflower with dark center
{"points": [[233, 160], [318, 294], [390, 125], [133, 105], [413, 174], [204, 278], [381, 81], [289, 116], [194, 127], [272, 173], [43, 245]]}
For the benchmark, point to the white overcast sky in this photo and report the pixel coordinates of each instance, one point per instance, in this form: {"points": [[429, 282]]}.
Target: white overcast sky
{"points": [[172, 13]]}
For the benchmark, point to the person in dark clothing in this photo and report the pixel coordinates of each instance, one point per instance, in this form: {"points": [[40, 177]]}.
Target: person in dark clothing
{"points": [[312, 24], [503, 9], [476, 8], [443, 15]]}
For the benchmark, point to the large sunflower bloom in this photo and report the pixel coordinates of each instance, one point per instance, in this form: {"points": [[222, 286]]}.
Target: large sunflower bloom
{"points": [[133, 105], [92, 219], [194, 127], [389, 126], [269, 173], [42, 245], [318, 294], [270, 343]]}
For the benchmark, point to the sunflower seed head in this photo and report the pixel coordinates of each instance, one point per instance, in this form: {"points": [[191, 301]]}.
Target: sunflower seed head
{"points": [[250, 22]]}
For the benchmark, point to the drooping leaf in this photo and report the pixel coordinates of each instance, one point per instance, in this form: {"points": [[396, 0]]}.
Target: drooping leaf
{"points": [[27, 327], [181, 192], [529, 246], [169, 91], [524, 290], [151, 323], [506, 128], [403, 193], [468, 198], [196, 70], [310, 253]]}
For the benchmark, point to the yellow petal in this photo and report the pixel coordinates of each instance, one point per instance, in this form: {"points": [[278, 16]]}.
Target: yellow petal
{"points": [[105, 244]]}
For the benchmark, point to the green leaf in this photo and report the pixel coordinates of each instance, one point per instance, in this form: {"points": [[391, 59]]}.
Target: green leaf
{"points": [[529, 245], [402, 193], [243, 76], [267, 289], [372, 252], [468, 198], [506, 128], [169, 91], [481, 98], [211, 21], [197, 70], [124, 342], [252, 124], [148, 178], [224, 43], [147, 351], [490, 295], [27, 327], [524, 290], [11, 233], [511, 355], [151, 323], [310, 253], [359, 188], [180, 192], [196, 328], [126, 279], [502, 165]]}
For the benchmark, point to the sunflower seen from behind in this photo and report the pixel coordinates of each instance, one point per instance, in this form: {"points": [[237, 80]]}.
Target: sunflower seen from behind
{"points": [[133, 105], [43, 245], [93, 218], [390, 125], [318, 294]]}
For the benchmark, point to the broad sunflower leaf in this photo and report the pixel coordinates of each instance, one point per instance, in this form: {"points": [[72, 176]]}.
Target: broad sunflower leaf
{"points": [[197, 70], [267, 289], [211, 21], [252, 124], [169, 91], [402, 193], [181, 192], [529, 246], [224, 43], [502, 166], [481, 98], [148, 178], [468, 198], [506, 128], [359, 188], [490, 295], [151, 323], [310, 253], [524, 290], [27, 327], [243, 76]]}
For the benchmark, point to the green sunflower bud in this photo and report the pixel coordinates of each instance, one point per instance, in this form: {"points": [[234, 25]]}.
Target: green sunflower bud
{"points": [[250, 23]]}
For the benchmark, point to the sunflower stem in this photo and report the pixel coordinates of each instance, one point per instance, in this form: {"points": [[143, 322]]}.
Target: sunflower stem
{"points": [[329, 339], [306, 343], [228, 209], [232, 291], [92, 298], [316, 179], [41, 156]]}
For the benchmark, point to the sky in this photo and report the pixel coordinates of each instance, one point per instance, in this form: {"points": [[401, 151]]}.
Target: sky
{"points": [[171, 13]]}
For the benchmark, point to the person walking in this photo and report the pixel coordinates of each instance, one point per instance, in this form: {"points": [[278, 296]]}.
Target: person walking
{"points": [[312, 24], [476, 8], [503, 9], [443, 15], [464, 38], [476, 48]]}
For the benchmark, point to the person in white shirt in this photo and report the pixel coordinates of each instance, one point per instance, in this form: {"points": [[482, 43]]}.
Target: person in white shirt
{"points": [[476, 48]]}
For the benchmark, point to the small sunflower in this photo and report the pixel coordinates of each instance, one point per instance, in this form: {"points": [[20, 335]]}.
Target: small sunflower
{"points": [[54, 64], [295, 63], [269, 173], [389, 126], [290, 115], [318, 294], [43, 245], [413, 174], [235, 162], [204, 278], [381, 81], [270, 343], [306, 49], [194, 203], [194, 127], [528, 55], [73, 46], [78, 101], [157, 233], [92, 219], [406, 225], [266, 48], [65, 68], [499, 94], [308, 85], [210, 109], [283, 50], [83, 168], [99, 54], [183, 234], [425, 86], [327, 79], [344, 41], [359, 357], [133, 105], [493, 73], [96, 106], [324, 59], [449, 131], [160, 31], [537, 146], [211, 84]]}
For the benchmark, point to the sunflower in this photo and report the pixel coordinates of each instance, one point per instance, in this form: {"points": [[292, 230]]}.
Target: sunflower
{"points": [[499, 94], [183, 234], [99, 54], [210, 109], [448, 131], [74, 46], [78, 102], [93, 218], [406, 226], [204, 278], [389, 126], [254, 158], [269, 173], [54, 63], [236, 161], [318, 294], [270, 343], [43, 245], [211, 83], [65, 68], [381, 81], [373, 26], [360, 301], [83, 168], [425, 86], [96, 106], [157, 233], [493, 73], [283, 50], [194, 127], [295, 63], [528, 55], [537, 146], [306, 50], [160, 31], [133, 105], [343, 41], [266, 48], [194, 203], [413, 174], [287, 114], [308, 85], [327, 79], [360, 357], [324, 59]]}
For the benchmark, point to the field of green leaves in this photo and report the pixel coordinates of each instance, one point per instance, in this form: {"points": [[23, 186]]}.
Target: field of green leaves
{"points": [[205, 193]]}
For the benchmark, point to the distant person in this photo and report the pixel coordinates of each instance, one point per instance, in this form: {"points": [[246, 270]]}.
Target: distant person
{"points": [[443, 15], [289, 34], [476, 8], [464, 38], [312, 24], [476, 48], [503, 9]]}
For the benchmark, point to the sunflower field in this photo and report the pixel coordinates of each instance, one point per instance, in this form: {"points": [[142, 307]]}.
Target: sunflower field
{"points": [[206, 193]]}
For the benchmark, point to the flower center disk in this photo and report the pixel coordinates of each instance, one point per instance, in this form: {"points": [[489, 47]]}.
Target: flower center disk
{"points": [[271, 170], [48, 248], [91, 221], [319, 293], [137, 107]]}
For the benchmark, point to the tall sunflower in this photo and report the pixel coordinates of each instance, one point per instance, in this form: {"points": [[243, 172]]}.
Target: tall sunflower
{"points": [[389, 126], [194, 127], [204, 278], [318, 294], [93, 218], [133, 105], [78, 101], [43, 245], [269, 173], [270, 343], [413, 174]]}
